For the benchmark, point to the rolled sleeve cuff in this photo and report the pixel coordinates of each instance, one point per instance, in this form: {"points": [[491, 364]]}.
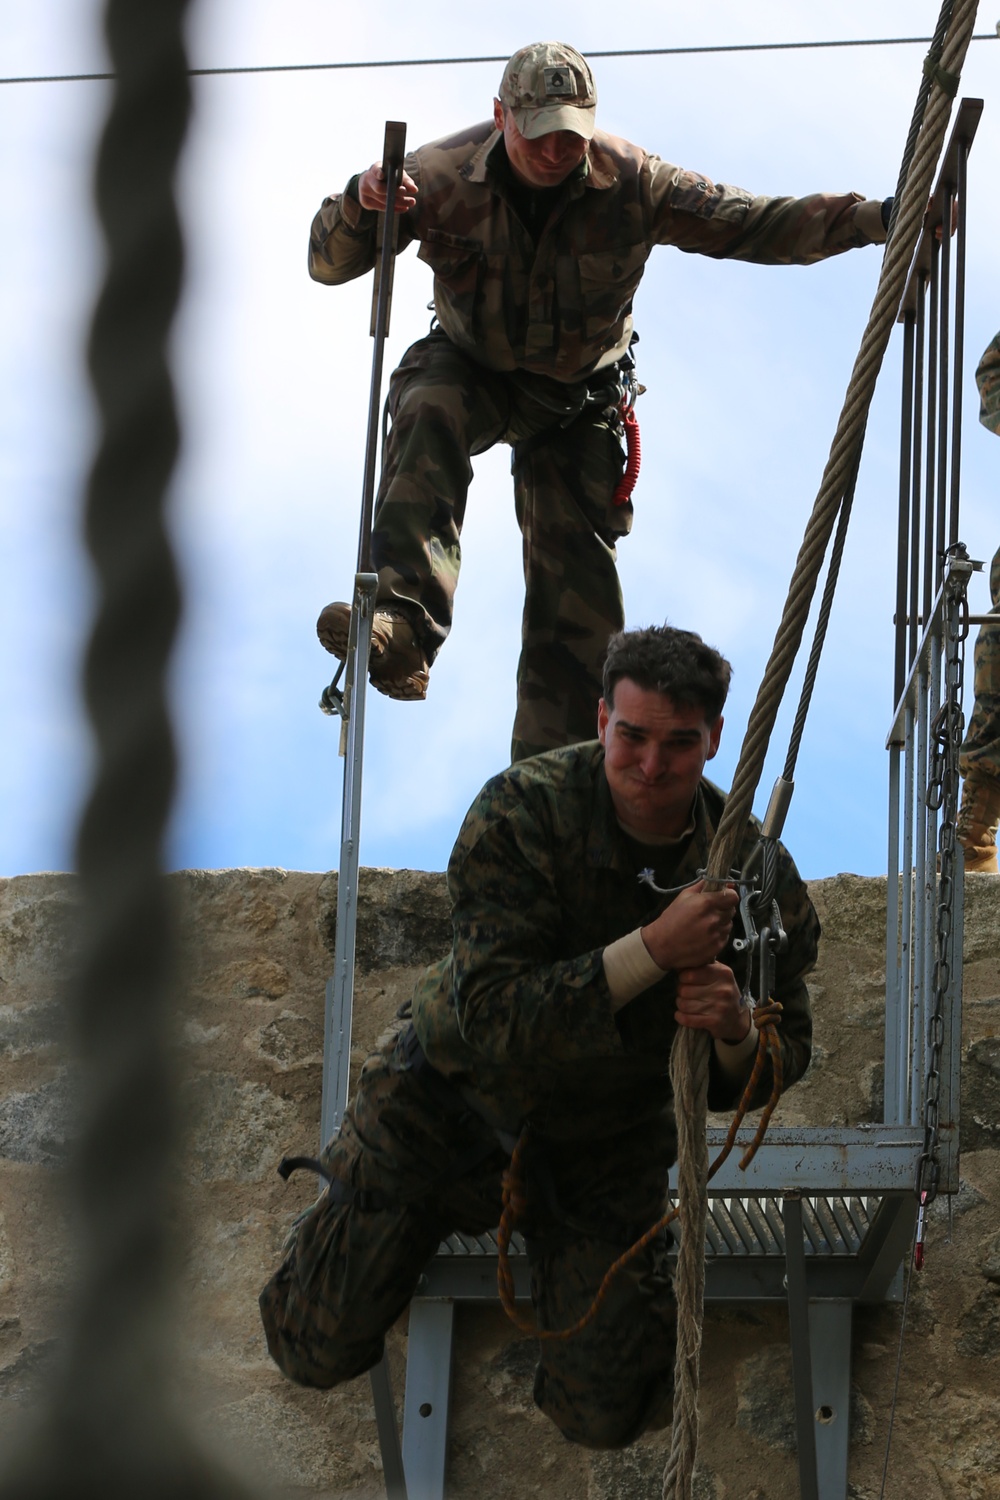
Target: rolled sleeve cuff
{"points": [[734, 1057], [868, 218], [629, 969]]}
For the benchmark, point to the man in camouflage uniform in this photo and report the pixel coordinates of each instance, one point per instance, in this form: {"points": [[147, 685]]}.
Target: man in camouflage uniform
{"points": [[556, 1009], [537, 227], [980, 758]]}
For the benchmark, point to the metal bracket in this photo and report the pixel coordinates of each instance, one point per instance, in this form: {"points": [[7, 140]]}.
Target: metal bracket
{"points": [[428, 1388], [820, 1334]]}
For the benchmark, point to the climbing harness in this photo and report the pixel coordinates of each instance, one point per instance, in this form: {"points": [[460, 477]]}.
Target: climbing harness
{"points": [[627, 424]]}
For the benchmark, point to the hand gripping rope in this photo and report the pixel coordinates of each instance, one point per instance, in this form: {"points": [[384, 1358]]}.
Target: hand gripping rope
{"points": [[756, 896]]}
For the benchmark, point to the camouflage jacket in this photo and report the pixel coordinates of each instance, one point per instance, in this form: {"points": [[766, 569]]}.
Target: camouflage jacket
{"points": [[541, 879], [988, 381], [562, 307]]}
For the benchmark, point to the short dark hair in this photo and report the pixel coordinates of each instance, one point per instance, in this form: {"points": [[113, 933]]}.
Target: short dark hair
{"points": [[674, 662]]}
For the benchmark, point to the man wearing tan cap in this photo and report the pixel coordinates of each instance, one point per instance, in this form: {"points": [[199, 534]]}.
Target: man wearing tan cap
{"points": [[537, 227]]}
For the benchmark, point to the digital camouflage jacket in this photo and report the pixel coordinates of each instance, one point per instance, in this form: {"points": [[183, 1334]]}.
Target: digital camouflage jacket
{"points": [[541, 879], [562, 307]]}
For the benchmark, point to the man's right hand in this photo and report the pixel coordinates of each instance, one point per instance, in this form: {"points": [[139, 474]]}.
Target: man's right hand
{"points": [[694, 929], [371, 190]]}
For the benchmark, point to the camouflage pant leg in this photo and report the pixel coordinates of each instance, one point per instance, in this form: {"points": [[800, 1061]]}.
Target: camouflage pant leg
{"points": [[352, 1267], [980, 757], [614, 1380], [981, 746], [563, 484], [444, 407]]}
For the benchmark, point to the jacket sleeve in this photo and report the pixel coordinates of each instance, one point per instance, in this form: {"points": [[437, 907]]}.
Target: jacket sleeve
{"points": [[727, 223], [342, 237], [519, 997], [988, 381]]}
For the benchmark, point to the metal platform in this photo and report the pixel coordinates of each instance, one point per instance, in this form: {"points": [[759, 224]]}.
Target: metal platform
{"points": [[821, 1220]]}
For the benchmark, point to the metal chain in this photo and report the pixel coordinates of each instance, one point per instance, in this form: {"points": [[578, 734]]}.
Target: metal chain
{"points": [[947, 729]]}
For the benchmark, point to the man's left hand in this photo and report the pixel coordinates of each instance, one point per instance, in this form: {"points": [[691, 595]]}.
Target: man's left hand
{"points": [[709, 999]]}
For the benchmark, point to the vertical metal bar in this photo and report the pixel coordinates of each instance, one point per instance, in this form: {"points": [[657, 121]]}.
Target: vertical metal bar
{"points": [[950, 1123], [798, 1328], [903, 530], [893, 967], [340, 993], [956, 417], [916, 488], [906, 926], [906, 941], [393, 148], [930, 436], [388, 1432], [895, 1071], [830, 1342], [919, 950], [930, 875], [340, 989], [943, 387], [428, 1389]]}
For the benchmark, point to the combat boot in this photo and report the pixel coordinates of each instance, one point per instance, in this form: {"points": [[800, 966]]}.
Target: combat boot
{"points": [[397, 665], [977, 821]]}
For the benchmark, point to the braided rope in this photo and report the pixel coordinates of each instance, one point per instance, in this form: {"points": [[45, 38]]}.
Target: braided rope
{"points": [[689, 1058], [107, 1429], [515, 1198]]}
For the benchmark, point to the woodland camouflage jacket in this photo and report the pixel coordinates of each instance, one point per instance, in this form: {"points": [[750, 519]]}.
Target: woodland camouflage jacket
{"points": [[563, 307], [541, 879], [988, 381]]}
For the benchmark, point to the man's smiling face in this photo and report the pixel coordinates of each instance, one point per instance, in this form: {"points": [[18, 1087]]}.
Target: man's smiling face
{"points": [[655, 752]]}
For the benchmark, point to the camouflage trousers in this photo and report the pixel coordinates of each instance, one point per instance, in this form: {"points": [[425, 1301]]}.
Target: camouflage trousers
{"points": [[980, 756], [566, 463], [355, 1263]]}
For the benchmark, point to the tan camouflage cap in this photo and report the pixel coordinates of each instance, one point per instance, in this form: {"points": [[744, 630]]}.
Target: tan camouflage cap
{"points": [[548, 86]]}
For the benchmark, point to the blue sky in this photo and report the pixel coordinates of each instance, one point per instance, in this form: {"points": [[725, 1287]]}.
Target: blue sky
{"points": [[745, 366]]}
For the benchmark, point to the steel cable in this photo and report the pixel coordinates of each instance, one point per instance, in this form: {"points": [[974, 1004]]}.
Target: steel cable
{"points": [[690, 1055]]}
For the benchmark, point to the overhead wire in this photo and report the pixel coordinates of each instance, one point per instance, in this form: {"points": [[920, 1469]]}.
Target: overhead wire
{"points": [[444, 62]]}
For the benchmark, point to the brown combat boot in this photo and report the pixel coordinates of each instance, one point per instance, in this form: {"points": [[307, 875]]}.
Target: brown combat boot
{"points": [[977, 822], [397, 665]]}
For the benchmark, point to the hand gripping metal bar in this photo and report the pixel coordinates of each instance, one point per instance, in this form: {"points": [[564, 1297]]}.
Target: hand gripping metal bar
{"points": [[351, 706], [340, 991]]}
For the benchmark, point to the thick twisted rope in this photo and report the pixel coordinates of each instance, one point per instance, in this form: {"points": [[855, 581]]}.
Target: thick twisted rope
{"points": [[107, 1430], [690, 1055]]}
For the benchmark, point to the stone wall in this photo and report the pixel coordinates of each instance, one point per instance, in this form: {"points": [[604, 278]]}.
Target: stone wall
{"points": [[257, 948]]}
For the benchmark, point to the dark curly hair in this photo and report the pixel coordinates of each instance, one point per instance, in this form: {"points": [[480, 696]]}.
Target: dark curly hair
{"points": [[676, 663]]}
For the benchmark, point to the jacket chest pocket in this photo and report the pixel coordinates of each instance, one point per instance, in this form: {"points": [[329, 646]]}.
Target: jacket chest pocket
{"points": [[457, 264], [608, 280]]}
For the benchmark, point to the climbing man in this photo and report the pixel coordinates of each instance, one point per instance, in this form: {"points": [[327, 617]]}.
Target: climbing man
{"points": [[979, 762], [537, 227], [553, 1014]]}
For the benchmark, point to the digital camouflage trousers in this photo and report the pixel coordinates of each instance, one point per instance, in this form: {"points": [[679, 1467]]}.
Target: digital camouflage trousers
{"points": [[980, 756], [356, 1257], [566, 462]]}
